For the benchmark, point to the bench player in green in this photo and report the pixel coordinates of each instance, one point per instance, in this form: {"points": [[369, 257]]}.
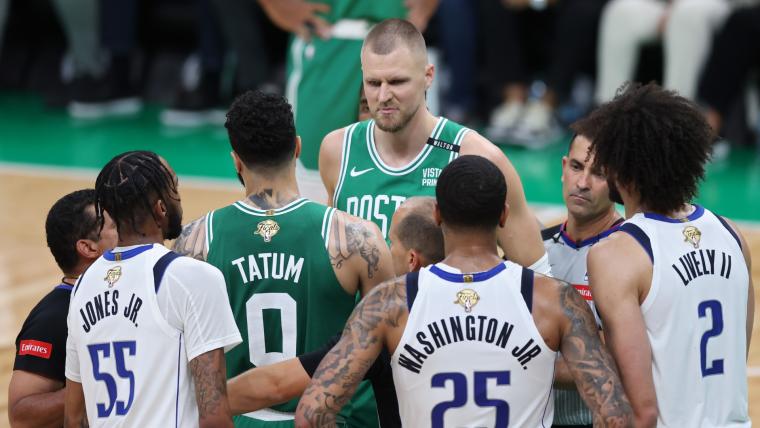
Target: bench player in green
{"points": [[371, 167], [324, 74], [293, 267]]}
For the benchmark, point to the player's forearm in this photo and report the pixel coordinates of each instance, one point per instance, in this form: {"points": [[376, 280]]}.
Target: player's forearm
{"points": [[38, 410], [266, 386]]}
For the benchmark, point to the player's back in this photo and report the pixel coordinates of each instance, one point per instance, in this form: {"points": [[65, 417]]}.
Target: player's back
{"points": [[471, 354], [282, 287], [132, 363], [695, 313], [370, 189]]}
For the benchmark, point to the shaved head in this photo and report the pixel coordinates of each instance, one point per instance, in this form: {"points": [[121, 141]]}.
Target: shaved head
{"points": [[391, 34], [414, 228]]}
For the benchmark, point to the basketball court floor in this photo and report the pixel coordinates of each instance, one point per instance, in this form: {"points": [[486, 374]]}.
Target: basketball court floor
{"points": [[44, 155]]}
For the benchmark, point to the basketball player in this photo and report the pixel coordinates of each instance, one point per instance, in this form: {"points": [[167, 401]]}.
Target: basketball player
{"points": [[75, 238], [147, 328], [293, 267], [323, 58], [591, 216], [672, 285], [472, 324], [417, 241], [370, 167]]}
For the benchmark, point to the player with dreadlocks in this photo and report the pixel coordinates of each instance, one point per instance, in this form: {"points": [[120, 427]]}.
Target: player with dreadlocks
{"points": [[672, 286], [142, 317]]}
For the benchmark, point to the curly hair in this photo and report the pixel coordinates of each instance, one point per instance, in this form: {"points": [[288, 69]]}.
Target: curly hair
{"points": [[261, 129], [128, 186], [652, 140]]}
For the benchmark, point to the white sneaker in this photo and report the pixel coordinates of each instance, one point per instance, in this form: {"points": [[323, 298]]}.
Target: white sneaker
{"points": [[537, 127], [503, 119]]}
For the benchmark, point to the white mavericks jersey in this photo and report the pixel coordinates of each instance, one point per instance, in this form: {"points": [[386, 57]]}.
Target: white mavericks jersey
{"points": [[695, 314], [471, 354], [130, 349]]}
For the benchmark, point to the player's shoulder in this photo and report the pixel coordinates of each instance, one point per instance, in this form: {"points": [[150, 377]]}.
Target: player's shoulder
{"points": [[52, 308], [188, 269], [354, 222]]}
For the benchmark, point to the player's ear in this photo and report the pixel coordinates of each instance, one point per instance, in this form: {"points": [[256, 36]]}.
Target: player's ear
{"points": [[87, 249], [437, 215], [429, 74], [414, 260], [564, 164], [237, 162], [504, 215], [298, 146]]}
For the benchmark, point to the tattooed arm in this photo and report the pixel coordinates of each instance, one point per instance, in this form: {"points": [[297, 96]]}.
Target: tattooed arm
{"points": [[359, 255], [590, 363], [192, 241], [620, 273], [208, 372], [378, 320]]}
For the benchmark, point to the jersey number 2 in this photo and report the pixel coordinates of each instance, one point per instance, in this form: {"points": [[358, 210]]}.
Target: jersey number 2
{"points": [[260, 327], [120, 350], [716, 310], [460, 395]]}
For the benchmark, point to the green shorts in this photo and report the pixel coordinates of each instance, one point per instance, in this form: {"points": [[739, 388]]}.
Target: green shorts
{"points": [[324, 81]]}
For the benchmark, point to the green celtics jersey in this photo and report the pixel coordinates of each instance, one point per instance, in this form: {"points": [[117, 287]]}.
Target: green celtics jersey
{"points": [[370, 189], [282, 288], [373, 11]]}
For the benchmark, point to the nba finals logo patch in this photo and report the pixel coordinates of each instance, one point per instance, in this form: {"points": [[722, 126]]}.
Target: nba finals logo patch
{"points": [[693, 235], [112, 276], [267, 229], [468, 299]]}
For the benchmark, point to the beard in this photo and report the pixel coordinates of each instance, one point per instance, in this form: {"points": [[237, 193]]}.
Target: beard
{"points": [[175, 225], [397, 125]]}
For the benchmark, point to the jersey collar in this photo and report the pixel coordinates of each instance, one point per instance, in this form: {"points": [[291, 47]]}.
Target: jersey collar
{"points": [[112, 256], [590, 241], [698, 211], [467, 277]]}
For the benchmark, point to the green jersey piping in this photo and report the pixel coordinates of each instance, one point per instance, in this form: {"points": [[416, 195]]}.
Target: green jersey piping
{"points": [[327, 225], [298, 203], [209, 230], [344, 160], [411, 166]]}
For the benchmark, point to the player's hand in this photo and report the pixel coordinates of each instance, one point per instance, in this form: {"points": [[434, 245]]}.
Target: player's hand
{"points": [[298, 16], [420, 12]]}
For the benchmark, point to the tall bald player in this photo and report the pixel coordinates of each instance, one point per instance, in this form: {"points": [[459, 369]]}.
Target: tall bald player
{"points": [[371, 167]]}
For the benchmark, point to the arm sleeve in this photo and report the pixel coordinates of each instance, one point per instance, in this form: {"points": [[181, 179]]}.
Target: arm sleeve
{"points": [[310, 361], [41, 343], [197, 304]]}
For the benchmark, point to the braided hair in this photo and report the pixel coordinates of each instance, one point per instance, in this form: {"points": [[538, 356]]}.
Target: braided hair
{"points": [[128, 186]]}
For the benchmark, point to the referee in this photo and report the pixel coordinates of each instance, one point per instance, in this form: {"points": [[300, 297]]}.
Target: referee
{"points": [[35, 394]]}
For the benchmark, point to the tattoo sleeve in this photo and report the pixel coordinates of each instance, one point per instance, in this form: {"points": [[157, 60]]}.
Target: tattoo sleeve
{"points": [[209, 375], [345, 365], [192, 240], [354, 237], [591, 364]]}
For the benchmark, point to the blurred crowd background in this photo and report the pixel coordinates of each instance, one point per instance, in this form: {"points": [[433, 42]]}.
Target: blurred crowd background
{"points": [[517, 70]]}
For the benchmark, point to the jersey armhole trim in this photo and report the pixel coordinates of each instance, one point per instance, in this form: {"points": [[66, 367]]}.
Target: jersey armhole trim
{"points": [[639, 236], [345, 152], [209, 230], [160, 267], [412, 286], [526, 287], [327, 220], [730, 230]]}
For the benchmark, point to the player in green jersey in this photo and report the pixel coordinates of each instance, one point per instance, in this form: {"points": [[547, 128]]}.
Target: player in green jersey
{"points": [[292, 267], [369, 168], [323, 58]]}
